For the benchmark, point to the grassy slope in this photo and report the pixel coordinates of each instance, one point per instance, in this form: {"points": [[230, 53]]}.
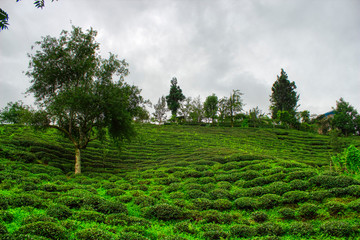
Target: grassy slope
{"points": [[179, 165]]}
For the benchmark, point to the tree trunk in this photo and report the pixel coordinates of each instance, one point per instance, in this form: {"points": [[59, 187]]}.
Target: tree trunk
{"points": [[77, 161]]}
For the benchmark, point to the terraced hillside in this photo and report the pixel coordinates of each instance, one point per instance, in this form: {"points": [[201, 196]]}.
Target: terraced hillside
{"points": [[177, 182]]}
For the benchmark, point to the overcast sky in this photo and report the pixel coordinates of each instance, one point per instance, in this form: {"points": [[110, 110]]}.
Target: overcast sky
{"points": [[210, 46]]}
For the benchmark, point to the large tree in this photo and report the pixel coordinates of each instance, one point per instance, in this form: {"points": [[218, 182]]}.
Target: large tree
{"points": [[346, 118], [211, 107], [15, 113], [284, 96], [175, 97], [80, 93]]}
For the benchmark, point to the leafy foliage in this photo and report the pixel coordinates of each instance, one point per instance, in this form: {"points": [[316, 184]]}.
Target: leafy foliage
{"points": [[346, 118], [348, 161], [175, 97], [284, 96]]}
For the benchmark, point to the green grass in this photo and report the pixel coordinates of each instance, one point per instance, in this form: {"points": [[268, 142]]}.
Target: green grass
{"points": [[177, 182]]}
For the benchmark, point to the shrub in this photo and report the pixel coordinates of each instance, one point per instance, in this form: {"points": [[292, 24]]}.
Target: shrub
{"points": [[298, 184], [30, 186], [269, 228], [295, 197], [4, 202], [278, 188], [177, 195], [185, 227], [164, 212], [301, 229], [256, 191], [335, 208], [246, 203], [308, 211], [260, 181], [220, 193], [37, 218], [115, 192], [250, 174], [92, 200], [259, 216], [354, 205], [287, 213], [353, 190], [213, 231], [195, 193], [93, 234], [337, 228], [242, 231], [173, 187], [26, 199], [205, 180], [269, 201], [45, 229], [109, 206], [212, 216], [202, 204], [71, 202], [144, 201], [348, 161], [118, 219], [6, 216], [302, 175], [89, 216], [224, 185], [3, 229], [125, 199], [323, 181], [59, 211], [319, 195], [131, 236], [49, 187], [338, 191], [222, 204]]}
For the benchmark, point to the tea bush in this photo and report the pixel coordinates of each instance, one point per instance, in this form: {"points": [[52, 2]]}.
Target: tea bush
{"points": [[337, 228], [213, 216], [320, 195], [250, 174], [202, 204], [308, 211], [335, 208], [246, 203], [110, 206], [298, 184], [114, 192], [301, 175], [222, 204], [89, 216], [6, 216], [224, 185], [45, 229], [185, 227], [242, 231], [144, 201], [301, 229], [278, 188], [256, 191], [269, 228], [37, 218], [4, 202], [71, 202], [259, 216], [287, 213], [219, 193], [93, 234], [213, 231], [196, 193], [177, 195], [354, 205], [3, 229], [59, 211], [164, 212], [353, 190], [26, 199], [270, 201], [295, 197]]}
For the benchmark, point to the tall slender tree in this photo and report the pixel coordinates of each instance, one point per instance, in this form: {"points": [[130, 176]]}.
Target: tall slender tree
{"points": [[160, 110], [211, 107], [284, 96], [175, 97]]}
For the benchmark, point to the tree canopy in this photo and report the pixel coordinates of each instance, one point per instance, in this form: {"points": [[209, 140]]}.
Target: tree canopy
{"points": [[175, 97], [346, 118], [284, 96], [80, 93], [211, 107]]}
